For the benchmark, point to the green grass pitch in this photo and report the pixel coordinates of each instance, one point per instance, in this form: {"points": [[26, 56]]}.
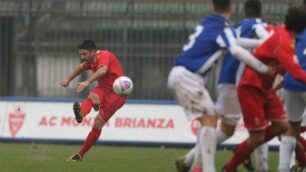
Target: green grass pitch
{"points": [[23, 157]]}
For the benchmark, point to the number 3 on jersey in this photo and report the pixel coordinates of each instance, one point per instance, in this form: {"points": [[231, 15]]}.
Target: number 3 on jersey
{"points": [[193, 37]]}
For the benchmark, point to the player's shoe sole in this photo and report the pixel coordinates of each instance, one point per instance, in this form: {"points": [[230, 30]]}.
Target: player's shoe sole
{"points": [[77, 112], [74, 158], [180, 166]]}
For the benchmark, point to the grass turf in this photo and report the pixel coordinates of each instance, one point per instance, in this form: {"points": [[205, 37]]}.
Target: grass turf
{"points": [[15, 157]]}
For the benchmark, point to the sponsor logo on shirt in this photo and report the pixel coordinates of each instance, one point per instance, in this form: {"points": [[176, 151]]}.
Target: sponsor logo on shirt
{"points": [[195, 125]]}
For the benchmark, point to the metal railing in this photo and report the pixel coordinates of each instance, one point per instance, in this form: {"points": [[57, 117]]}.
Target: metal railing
{"points": [[145, 35]]}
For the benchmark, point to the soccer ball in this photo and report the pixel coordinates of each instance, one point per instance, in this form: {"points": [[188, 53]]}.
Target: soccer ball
{"points": [[123, 86]]}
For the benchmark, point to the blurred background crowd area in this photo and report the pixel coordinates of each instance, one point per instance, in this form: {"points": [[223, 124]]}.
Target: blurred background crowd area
{"points": [[39, 38]]}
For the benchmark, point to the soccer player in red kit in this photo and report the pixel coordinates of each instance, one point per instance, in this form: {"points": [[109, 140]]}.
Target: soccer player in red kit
{"points": [[263, 112], [106, 68]]}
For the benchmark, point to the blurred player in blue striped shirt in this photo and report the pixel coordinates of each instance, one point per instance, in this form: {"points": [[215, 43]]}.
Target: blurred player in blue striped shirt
{"points": [[211, 39], [227, 104]]}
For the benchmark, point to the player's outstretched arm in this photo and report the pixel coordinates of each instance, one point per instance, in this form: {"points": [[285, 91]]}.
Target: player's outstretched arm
{"points": [[248, 42], [76, 71], [94, 77], [246, 57], [228, 40], [261, 32]]}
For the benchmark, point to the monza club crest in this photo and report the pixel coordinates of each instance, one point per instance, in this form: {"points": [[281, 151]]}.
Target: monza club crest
{"points": [[195, 125], [16, 120]]}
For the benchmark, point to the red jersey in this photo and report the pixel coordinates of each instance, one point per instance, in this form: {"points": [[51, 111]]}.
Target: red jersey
{"points": [[106, 58], [277, 51]]}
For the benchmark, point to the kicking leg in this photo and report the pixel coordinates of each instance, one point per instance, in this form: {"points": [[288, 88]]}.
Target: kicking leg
{"points": [[92, 137], [82, 109]]}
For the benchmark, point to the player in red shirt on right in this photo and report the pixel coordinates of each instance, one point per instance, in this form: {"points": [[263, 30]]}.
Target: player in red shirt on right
{"points": [[263, 112]]}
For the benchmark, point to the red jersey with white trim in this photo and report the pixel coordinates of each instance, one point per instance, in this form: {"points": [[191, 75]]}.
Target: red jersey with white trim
{"points": [[114, 69], [277, 51]]}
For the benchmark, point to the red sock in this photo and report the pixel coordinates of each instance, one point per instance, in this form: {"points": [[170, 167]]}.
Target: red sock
{"points": [[243, 151], [92, 137], [302, 141], [300, 154], [86, 106]]}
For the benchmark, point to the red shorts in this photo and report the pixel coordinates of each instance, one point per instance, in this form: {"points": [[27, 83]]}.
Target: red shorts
{"points": [[259, 107], [109, 102]]}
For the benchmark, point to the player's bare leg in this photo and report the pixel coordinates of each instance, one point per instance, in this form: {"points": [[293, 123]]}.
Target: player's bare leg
{"points": [[82, 109], [96, 101], [225, 132], [92, 137], [228, 130]]}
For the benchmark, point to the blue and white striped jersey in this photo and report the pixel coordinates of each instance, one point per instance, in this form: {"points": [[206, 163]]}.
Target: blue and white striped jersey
{"points": [[206, 44], [289, 82], [245, 29]]}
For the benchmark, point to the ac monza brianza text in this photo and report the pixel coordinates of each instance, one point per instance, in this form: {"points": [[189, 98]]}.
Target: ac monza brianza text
{"points": [[160, 123]]}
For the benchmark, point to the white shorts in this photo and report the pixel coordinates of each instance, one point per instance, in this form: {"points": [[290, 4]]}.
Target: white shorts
{"points": [[190, 92], [295, 103], [227, 105]]}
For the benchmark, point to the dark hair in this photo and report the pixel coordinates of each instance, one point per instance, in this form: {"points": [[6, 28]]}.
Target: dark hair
{"points": [[87, 45], [252, 8], [295, 19], [221, 5]]}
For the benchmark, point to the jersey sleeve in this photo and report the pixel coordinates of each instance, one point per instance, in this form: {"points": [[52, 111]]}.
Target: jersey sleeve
{"points": [[227, 38], [286, 55], [103, 59], [248, 42], [85, 66], [260, 31]]}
